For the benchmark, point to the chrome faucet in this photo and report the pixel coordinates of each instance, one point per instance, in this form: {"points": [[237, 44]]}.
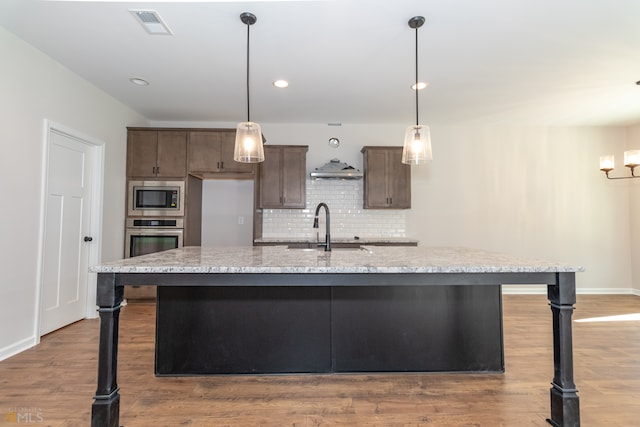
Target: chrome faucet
{"points": [[327, 240]]}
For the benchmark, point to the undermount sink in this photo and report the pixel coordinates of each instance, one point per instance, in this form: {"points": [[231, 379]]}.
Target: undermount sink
{"points": [[333, 248]]}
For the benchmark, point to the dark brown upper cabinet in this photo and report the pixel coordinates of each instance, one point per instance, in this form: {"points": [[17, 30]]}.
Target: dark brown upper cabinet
{"points": [[211, 155], [282, 179], [387, 181], [156, 153]]}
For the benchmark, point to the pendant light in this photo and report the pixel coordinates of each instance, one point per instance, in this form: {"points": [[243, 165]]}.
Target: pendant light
{"points": [[417, 138], [248, 147]]}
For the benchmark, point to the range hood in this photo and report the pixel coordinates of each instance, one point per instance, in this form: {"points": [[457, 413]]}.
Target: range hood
{"points": [[336, 169]]}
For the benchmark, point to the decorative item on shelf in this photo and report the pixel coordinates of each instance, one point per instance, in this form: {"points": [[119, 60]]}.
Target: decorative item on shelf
{"points": [[417, 139], [249, 140], [631, 160]]}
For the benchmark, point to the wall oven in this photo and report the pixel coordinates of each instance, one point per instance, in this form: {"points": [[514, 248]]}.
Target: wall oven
{"points": [[145, 236], [148, 235], [155, 198]]}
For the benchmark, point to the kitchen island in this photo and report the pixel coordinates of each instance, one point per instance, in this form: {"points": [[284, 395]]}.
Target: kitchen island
{"points": [[265, 268]]}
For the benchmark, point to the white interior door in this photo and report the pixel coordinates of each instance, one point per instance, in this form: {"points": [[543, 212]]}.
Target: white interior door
{"points": [[67, 225]]}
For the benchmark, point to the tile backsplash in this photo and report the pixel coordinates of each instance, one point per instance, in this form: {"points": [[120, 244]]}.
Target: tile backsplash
{"points": [[348, 218]]}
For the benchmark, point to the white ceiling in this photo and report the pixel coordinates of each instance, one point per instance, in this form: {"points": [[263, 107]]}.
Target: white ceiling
{"points": [[551, 62]]}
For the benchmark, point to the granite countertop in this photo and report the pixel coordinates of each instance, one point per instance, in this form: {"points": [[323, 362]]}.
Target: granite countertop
{"points": [[359, 240], [368, 259]]}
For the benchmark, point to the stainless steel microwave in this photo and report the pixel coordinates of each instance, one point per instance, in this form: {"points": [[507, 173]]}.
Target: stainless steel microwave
{"points": [[155, 198]]}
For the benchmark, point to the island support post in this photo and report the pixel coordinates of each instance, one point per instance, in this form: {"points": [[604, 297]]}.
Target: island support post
{"points": [[565, 406], [105, 411]]}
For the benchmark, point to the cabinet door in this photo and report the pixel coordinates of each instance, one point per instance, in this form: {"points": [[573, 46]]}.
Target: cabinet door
{"points": [[376, 194], [294, 177], [227, 145], [271, 178], [212, 152], [172, 154], [399, 183], [204, 152], [387, 182], [142, 153]]}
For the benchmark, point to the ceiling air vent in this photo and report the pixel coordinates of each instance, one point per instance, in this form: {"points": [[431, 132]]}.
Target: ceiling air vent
{"points": [[151, 22]]}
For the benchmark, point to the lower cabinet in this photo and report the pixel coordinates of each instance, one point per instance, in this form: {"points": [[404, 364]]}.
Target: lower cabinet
{"points": [[242, 330], [417, 329], [303, 329]]}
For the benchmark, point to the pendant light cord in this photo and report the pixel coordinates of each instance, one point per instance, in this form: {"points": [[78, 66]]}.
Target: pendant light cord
{"points": [[248, 109], [416, 89]]}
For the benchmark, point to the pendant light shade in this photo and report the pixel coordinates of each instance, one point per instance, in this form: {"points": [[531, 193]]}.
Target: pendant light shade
{"points": [[417, 138], [417, 145], [248, 147]]}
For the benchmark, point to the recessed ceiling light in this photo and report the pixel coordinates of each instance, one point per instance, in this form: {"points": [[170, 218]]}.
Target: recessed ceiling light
{"points": [[421, 85], [139, 81], [281, 83]]}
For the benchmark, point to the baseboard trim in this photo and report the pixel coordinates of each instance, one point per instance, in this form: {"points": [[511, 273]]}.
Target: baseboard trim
{"points": [[542, 290], [18, 347]]}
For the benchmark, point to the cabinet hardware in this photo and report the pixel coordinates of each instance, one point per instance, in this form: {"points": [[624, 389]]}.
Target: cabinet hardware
{"points": [[221, 165], [88, 238]]}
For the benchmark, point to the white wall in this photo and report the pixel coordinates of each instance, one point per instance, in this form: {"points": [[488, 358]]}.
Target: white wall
{"points": [[531, 191], [633, 143], [35, 88], [227, 213]]}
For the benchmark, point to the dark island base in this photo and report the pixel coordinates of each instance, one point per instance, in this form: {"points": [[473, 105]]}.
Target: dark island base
{"points": [[289, 329]]}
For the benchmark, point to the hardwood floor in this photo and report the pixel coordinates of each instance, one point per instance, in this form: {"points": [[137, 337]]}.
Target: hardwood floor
{"points": [[55, 381]]}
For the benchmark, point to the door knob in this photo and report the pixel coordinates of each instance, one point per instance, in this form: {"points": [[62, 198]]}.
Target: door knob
{"points": [[88, 238]]}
